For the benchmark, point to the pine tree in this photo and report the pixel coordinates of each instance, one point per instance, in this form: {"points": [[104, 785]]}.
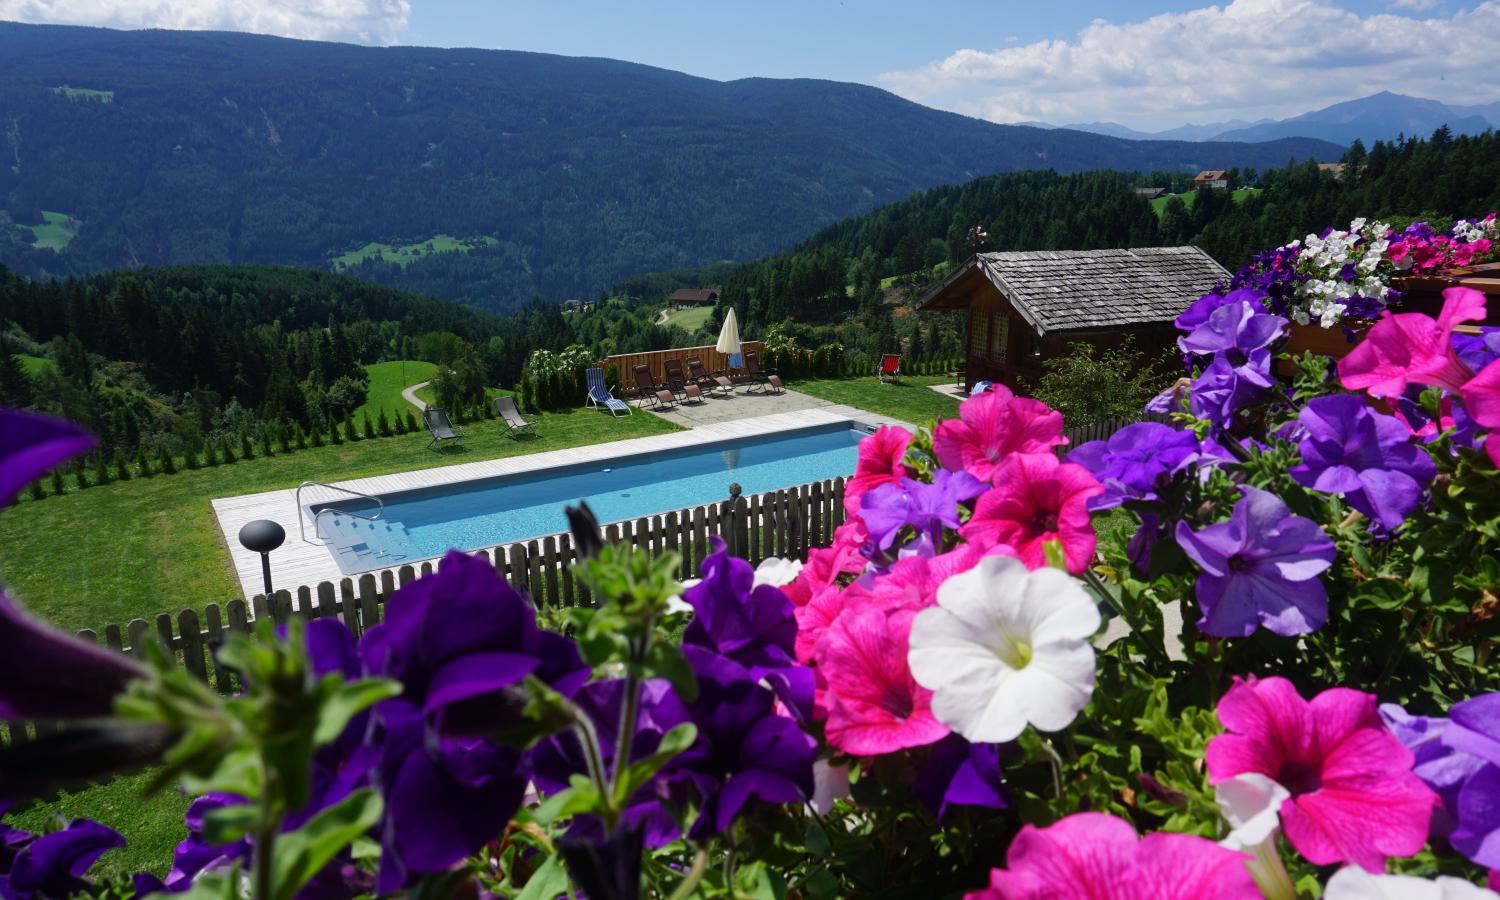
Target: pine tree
{"points": [[283, 443], [101, 469], [315, 435], [383, 425], [37, 491], [122, 471], [367, 428], [164, 459], [142, 463], [350, 433], [80, 475], [247, 450], [411, 422], [15, 388], [190, 458], [265, 440], [333, 432], [57, 482], [226, 449], [299, 437]]}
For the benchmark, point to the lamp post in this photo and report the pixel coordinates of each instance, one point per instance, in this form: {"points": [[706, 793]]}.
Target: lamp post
{"points": [[262, 536]]}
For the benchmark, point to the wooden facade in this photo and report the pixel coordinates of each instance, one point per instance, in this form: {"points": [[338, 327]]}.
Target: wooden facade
{"points": [[713, 360]]}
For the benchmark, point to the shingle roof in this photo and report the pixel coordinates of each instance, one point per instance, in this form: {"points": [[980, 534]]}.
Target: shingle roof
{"points": [[1088, 290], [694, 295]]}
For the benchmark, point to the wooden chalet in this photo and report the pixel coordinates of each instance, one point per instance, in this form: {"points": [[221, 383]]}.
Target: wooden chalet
{"points": [[1027, 307], [1211, 178], [687, 298]]}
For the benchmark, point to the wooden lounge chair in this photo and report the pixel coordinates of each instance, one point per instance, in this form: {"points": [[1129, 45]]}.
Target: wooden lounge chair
{"points": [[600, 397], [960, 375], [758, 378], [677, 380], [890, 368], [440, 427], [648, 389], [701, 376], [515, 423]]}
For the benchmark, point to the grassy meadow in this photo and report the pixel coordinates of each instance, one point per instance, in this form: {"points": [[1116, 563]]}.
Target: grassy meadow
{"points": [[404, 255], [55, 233], [1188, 197], [387, 380]]}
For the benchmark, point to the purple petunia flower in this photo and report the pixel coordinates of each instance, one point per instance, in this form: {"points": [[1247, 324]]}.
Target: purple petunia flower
{"points": [[1259, 568], [1477, 350], [31, 445], [1239, 340], [1369, 458], [754, 626], [53, 865], [1445, 769], [1459, 758], [1197, 314], [959, 773], [1136, 462], [748, 751], [45, 674], [925, 508]]}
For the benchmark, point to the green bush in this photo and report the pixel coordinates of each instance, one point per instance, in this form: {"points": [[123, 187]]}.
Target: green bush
{"points": [[247, 450], [122, 471], [142, 463], [57, 482], [164, 461], [366, 428]]}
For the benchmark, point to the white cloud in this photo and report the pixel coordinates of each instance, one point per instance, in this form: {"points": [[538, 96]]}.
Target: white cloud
{"points": [[357, 21], [1418, 5], [1247, 59]]}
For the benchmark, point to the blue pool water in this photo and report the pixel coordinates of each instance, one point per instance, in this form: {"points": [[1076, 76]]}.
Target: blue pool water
{"points": [[482, 513]]}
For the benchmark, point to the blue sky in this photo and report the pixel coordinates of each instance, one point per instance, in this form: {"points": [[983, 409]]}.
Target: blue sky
{"points": [[1148, 65]]}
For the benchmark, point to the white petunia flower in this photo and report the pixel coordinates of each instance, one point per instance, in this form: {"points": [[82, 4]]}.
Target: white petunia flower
{"points": [[830, 783], [1251, 804], [775, 571], [1005, 648], [1354, 883]]}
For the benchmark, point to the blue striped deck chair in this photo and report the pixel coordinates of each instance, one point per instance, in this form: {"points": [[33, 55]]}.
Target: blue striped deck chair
{"points": [[599, 395], [980, 387]]}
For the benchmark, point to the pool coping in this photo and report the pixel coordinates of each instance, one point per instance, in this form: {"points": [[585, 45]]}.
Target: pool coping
{"points": [[297, 562]]}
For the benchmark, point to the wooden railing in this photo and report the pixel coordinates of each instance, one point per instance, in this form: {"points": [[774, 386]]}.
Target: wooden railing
{"points": [[780, 523], [713, 360]]}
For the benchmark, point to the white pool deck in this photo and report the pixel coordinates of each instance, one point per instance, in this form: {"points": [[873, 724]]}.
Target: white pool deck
{"points": [[301, 562]]}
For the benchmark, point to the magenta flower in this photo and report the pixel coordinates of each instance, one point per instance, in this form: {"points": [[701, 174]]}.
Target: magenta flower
{"points": [[1481, 396], [874, 705], [1354, 797], [1259, 568], [1099, 857], [1036, 499], [993, 426], [1369, 458], [845, 556], [880, 457], [1412, 348], [32, 445]]}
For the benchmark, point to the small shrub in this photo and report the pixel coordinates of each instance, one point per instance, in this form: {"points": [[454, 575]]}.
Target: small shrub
{"points": [[366, 428], [37, 491], [80, 476], [142, 463], [333, 432], [122, 471], [283, 440], [299, 438], [315, 435], [57, 482], [210, 455], [383, 425], [265, 440], [190, 458], [247, 450], [351, 434], [164, 461], [101, 469], [228, 450]]}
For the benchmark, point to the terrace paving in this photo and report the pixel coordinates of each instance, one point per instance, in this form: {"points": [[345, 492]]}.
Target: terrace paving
{"points": [[742, 404]]}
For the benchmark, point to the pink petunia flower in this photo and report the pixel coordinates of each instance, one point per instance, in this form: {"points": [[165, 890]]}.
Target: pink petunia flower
{"points": [[1094, 856], [825, 564], [1481, 395], [1354, 797], [991, 427], [880, 457], [874, 704], [1036, 499], [1412, 348], [911, 583], [814, 619]]}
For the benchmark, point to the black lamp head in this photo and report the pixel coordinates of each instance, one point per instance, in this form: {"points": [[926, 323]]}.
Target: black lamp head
{"points": [[262, 536]]}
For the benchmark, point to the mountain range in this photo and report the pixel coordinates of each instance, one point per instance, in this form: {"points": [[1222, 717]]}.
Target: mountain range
{"points": [[538, 175], [1382, 116]]}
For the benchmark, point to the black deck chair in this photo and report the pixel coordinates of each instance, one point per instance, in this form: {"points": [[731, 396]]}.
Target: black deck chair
{"points": [[440, 428]]}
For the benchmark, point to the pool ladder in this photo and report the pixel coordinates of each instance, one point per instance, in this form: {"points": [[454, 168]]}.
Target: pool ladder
{"points": [[317, 517]]}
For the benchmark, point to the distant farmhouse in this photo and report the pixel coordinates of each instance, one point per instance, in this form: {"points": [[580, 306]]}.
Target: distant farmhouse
{"points": [[1151, 193], [1025, 308], [1211, 178], [687, 298], [1335, 169]]}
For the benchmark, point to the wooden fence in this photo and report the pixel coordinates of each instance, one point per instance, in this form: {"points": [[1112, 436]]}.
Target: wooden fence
{"points": [[1098, 431], [713, 360], [780, 523]]}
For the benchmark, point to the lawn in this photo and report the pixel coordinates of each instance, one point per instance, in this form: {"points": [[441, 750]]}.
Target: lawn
{"points": [[55, 233], [1160, 203], [125, 550], [690, 320], [34, 366], [406, 254], [387, 380], [911, 400], [428, 394]]}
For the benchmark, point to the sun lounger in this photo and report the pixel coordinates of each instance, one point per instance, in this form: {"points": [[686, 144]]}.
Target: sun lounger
{"points": [[440, 427], [890, 368], [701, 376], [515, 423], [647, 388], [600, 397], [677, 380], [758, 378]]}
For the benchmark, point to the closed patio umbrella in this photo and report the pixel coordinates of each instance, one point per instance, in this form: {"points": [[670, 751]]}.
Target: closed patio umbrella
{"points": [[729, 340]]}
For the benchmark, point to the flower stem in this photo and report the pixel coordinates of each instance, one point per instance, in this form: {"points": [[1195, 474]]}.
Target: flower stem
{"points": [[694, 875], [629, 712]]}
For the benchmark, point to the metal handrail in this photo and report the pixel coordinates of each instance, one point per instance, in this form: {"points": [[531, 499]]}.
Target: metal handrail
{"points": [[301, 523]]}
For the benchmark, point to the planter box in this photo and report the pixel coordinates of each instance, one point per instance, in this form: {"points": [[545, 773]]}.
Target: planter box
{"points": [[1327, 341]]}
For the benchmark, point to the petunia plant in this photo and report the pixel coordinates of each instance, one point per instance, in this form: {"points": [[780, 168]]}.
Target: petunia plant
{"points": [[1240, 648]]}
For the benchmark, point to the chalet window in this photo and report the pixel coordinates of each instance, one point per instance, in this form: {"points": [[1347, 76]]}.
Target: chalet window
{"points": [[979, 329], [1036, 345], [999, 338]]}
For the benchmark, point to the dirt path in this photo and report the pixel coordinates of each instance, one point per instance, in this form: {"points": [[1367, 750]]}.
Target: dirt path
{"points": [[411, 395]]}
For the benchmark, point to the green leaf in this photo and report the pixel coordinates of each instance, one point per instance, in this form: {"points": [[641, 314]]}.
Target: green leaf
{"points": [[228, 824], [303, 853], [546, 882], [348, 701], [665, 660], [641, 771], [580, 797], [219, 884], [1055, 556]]}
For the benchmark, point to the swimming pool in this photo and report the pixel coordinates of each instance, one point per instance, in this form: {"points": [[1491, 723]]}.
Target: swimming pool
{"points": [[470, 515]]}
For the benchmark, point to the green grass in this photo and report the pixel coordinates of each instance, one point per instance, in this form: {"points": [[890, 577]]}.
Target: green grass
{"points": [[55, 233], [387, 380], [428, 394], [406, 254], [910, 401], [152, 826], [115, 552], [1160, 203], [73, 93], [690, 320], [34, 366]]}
